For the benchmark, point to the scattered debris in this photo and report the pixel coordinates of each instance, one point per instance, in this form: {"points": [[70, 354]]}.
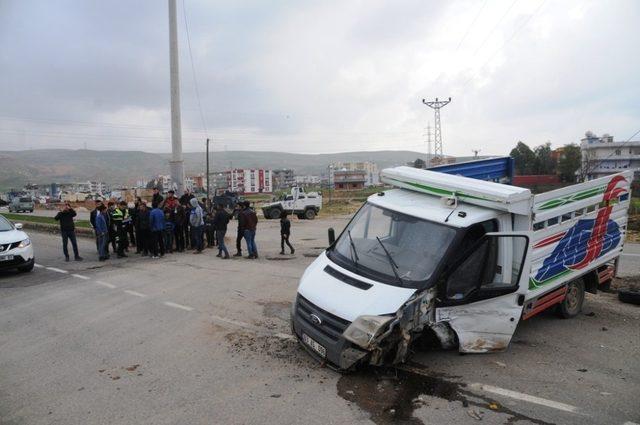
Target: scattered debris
{"points": [[590, 314], [500, 364], [582, 370], [276, 395], [132, 368], [475, 414], [494, 406]]}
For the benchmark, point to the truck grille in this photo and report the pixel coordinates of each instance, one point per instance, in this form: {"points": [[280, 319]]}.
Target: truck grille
{"points": [[331, 326]]}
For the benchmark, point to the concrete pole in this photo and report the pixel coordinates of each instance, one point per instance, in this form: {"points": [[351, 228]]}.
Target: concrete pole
{"points": [[176, 164]]}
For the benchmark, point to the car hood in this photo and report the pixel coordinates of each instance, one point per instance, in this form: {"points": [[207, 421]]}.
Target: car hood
{"points": [[347, 301], [11, 236]]}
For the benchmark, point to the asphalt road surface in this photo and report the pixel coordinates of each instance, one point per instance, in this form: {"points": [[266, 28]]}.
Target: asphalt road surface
{"points": [[194, 339]]}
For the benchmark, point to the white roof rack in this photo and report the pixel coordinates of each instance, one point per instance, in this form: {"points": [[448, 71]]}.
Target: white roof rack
{"points": [[497, 196]]}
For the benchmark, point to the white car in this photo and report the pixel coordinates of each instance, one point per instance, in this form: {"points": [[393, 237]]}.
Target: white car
{"points": [[16, 251]]}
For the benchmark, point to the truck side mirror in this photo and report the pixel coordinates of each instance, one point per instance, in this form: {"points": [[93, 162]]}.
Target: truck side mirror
{"points": [[332, 236]]}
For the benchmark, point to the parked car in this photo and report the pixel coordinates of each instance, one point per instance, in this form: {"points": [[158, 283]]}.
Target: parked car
{"points": [[16, 251], [22, 203]]}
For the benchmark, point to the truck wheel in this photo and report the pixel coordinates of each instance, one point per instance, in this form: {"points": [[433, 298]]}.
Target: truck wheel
{"points": [[572, 304], [310, 214], [274, 213]]}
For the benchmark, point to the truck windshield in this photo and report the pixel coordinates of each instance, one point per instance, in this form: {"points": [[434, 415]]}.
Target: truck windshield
{"points": [[416, 246]]}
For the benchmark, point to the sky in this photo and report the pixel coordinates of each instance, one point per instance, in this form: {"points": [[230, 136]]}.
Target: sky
{"points": [[318, 76]]}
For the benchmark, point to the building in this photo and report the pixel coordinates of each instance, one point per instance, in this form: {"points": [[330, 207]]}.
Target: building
{"points": [[349, 180], [283, 178], [219, 182], [249, 181], [602, 156], [307, 180], [370, 169]]}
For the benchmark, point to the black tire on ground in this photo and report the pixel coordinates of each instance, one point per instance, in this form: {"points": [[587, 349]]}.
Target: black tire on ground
{"points": [[274, 213], [310, 214], [629, 296], [26, 269], [572, 304]]}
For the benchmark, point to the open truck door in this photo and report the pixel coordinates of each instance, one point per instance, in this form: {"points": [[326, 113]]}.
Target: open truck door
{"points": [[481, 296]]}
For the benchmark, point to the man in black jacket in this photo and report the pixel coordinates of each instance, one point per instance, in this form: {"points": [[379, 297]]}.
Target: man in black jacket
{"points": [[92, 219], [220, 221], [68, 231], [144, 224]]}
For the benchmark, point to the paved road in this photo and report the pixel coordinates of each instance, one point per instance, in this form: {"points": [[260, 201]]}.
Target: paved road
{"points": [[194, 339]]}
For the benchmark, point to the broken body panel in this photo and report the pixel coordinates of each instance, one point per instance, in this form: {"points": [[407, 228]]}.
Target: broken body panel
{"points": [[464, 258]]}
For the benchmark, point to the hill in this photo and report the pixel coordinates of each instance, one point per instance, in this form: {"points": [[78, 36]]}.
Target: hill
{"points": [[44, 166]]}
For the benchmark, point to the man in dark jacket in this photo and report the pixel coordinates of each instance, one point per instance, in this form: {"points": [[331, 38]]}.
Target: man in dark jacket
{"points": [[111, 225], [157, 198], [68, 231], [240, 234], [102, 232], [285, 233], [180, 223], [144, 225], [220, 221], [250, 224], [92, 219]]}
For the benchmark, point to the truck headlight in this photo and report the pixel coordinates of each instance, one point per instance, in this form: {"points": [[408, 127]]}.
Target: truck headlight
{"points": [[365, 329], [25, 243]]}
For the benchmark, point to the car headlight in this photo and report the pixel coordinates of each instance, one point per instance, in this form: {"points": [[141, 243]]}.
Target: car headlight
{"points": [[365, 329], [25, 243]]}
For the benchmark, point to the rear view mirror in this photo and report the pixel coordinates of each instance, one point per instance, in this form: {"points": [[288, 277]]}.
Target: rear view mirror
{"points": [[332, 236], [18, 226]]}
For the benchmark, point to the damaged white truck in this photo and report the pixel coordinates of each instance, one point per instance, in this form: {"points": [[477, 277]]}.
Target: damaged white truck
{"points": [[463, 258]]}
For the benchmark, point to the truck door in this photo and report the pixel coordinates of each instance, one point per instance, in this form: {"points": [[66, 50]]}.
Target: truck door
{"points": [[482, 295]]}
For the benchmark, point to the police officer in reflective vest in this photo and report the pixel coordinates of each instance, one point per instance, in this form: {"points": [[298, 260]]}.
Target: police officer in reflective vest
{"points": [[117, 216]]}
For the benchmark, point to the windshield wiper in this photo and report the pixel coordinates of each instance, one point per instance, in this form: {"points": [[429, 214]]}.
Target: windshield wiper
{"points": [[394, 266], [353, 247]]}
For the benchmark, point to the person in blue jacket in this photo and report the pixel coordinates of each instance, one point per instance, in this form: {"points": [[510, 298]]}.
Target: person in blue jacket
{"points": [[157, 230], [102, 232]]}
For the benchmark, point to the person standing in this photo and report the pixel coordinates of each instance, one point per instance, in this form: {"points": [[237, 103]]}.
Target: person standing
{"points": [[157, 229], [92, 219], [240, 233], [169, 226], [157, 198], [68, 231], [250, 225], [111, 207], [180, 222], [102, 233], [285, 233], [196, 221], [220, 221], [144, 226], [119, 215], [171, 201], [131, 224]]}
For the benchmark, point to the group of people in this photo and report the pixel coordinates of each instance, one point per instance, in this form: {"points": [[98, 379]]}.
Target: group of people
{"points": [[171, 225]]}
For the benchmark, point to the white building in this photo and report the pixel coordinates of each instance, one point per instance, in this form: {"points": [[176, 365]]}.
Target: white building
{"points": [[602, 156], [307, 180], [372, 174], [249, 180]]}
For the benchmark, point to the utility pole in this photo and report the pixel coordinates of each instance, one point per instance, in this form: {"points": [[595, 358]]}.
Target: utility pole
{"points": [[208, 168], [436, 106], [176, 164], [429, 153]]}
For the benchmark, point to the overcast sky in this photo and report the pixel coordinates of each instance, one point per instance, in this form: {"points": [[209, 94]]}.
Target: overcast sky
{"points": [[321, 76]]}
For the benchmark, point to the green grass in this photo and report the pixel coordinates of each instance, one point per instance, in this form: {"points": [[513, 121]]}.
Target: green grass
{"points": [[23, 218]]}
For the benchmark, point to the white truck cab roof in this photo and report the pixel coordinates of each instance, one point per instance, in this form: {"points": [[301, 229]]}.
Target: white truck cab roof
{"points": [[431, 208]]}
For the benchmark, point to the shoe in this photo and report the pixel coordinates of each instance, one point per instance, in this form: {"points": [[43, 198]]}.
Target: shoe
{"points": [[102, 259], [282, 253], [238, 254], [293, 251], [219, 255], [66, 259], [154, 256], [78, 258], [226, 257], [255, 256], [197, 252]]}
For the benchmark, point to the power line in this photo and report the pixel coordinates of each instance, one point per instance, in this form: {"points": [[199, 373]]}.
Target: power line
{"points": [[494, 28], [471, 25]]}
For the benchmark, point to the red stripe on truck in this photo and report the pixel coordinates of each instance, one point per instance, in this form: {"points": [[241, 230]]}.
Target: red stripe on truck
{"points": [[546, 301]]}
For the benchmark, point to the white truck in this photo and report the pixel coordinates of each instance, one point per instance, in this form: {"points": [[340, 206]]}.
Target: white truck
{"points": [[297, 202], [462, 258]]}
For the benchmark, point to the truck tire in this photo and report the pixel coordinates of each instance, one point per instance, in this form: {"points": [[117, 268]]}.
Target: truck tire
{"points": [[572, 304], [629, 296], [275, 213], [310, 214]]}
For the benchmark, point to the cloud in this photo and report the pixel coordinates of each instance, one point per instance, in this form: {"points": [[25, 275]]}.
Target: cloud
{"points": [[319, 77]]}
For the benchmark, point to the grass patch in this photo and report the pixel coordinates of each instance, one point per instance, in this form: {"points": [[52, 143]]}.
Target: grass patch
{"points": [[23, 218]]}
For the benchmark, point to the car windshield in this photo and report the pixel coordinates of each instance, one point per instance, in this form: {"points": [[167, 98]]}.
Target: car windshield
{"points": [[5, 225], [25, 199], [415, 246]]}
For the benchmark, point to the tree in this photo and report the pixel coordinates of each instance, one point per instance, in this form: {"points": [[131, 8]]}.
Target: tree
{"points": [[570, 161], [544, 162], [524, 159], [419, 163]]}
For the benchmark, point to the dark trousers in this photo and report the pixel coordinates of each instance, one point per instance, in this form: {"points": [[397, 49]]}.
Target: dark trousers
{"points": [[250, 238], [95, 232], [132, 235], [187, 239], [101, 240], [168, 240], [284, 239], [112, 239], [145, 241], [221, 246], [157, 242], [179, 233], [121, 240], [69, 235], [239, 241], [139, 243], [197, 237], [211, 235]]}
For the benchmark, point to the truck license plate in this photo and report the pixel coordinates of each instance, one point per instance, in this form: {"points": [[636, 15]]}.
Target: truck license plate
{"points": [[6, 258], [314, 345]]}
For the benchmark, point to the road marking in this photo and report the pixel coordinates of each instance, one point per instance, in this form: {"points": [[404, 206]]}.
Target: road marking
{"points": [[524, 397], [134, 293], [631, 255], [79, 276], [39, 266], [53, 269], [108, 285], [180, 306], [233, 322], [629, 423]]}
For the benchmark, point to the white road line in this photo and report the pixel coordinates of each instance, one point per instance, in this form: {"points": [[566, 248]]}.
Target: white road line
{"points": [[134, 293], [524, 397], [39, 266], [630, 423], [79, 276], [106, 284], [53, 269], [180, 306]]}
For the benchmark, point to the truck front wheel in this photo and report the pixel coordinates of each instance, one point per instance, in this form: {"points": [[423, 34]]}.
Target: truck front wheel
{"points": [[310, 214], [572, 304], [274, 213]]}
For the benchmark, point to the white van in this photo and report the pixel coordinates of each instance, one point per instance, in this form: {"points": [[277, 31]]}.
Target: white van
{"points": [[466, 259]]}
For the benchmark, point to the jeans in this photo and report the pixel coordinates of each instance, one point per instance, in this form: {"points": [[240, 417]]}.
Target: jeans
{"points": [[239, 241], [168, 240], [250, 237], [221, 246], [69, 235], [102, 245], [284, 238], [197, 237]]}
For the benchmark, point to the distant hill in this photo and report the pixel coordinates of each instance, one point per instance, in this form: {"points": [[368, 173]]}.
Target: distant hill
{"points": [[125, 167]]}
